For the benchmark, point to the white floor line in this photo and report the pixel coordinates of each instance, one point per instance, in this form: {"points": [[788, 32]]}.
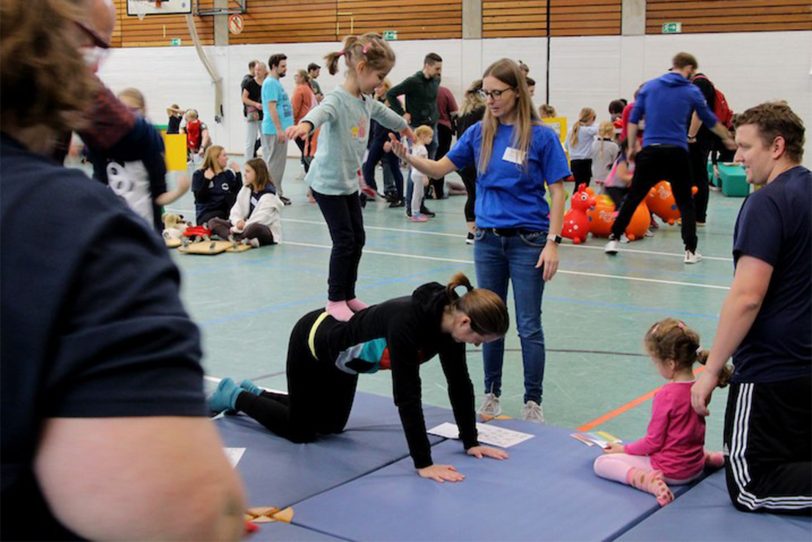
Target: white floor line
{"points": [[461, 235], [562, 271]]}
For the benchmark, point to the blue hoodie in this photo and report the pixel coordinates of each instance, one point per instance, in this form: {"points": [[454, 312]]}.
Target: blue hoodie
{"points": [[667, 103]]}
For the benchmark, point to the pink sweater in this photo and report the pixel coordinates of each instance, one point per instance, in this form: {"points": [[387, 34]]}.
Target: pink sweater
{"points": [[675, 439]]}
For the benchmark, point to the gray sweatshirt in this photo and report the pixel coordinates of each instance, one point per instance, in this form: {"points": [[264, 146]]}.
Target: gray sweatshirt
{"points": [[344, 121]]}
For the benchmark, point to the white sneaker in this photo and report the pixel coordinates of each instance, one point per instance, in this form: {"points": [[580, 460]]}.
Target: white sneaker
{"points": [[624, 239], [532, 412], [692, 257], [611, 247], [490, 407]]}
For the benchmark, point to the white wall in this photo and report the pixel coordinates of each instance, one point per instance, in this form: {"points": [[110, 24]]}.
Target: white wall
{"points": [[585, 71]]}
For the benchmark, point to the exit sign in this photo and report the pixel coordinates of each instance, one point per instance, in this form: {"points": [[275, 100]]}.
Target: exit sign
{"points": [[672, 28], [390, 35], [175, 42]]}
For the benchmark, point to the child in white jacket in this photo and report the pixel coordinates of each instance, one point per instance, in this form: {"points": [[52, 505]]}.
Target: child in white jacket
{"points": [[254, 218]]}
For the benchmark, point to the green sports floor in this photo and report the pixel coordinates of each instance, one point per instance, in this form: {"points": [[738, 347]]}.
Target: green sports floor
{"points": [[595, 311]]}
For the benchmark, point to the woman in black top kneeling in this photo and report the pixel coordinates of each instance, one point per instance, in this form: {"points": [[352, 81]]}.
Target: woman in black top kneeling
{"points": [[325, 357]]}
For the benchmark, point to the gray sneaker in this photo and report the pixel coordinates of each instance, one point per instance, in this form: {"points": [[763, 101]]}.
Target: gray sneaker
{"points": [[692, 257], [532, 412], [611, 247], [490, 407]]}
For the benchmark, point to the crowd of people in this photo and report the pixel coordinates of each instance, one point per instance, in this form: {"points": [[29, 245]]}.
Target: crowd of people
{"points": [[101, 362]]}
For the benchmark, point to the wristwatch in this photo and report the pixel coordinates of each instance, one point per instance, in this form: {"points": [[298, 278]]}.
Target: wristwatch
{"points": [[554, 238]]}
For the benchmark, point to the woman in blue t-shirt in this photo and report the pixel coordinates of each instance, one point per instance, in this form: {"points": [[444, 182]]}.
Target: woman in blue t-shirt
{"points": [[517, 233]]}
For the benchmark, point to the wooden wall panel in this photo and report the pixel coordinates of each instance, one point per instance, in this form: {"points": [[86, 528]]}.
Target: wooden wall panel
{"points": [[504, 18], [287, 21], [412, 19], [729, 15], [158, 30]]}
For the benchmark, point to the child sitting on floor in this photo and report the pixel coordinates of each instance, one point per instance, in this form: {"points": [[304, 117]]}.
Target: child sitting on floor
{"points": [[672, 452]]}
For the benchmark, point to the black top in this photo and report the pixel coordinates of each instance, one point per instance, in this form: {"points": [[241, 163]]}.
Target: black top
{"points": [[92, 325], [421, 99], [173, 127], [254, 93], [469, 119], [709, 92], [774, 226], [218, 193], [410, 326]]}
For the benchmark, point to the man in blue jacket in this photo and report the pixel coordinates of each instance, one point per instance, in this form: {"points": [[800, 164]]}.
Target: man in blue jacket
{"points": [[667, 103]]}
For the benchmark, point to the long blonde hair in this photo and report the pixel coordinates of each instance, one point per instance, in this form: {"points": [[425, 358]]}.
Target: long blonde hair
{"points": [[508, 72], [585, 117], [211, 159], [472, 99]]}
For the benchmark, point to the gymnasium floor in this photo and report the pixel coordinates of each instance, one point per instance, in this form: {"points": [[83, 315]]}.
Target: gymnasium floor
{"points": [[595, 311]]}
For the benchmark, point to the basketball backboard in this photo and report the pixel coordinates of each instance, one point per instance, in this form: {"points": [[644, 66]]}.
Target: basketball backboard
{"points": [[142, 8]]}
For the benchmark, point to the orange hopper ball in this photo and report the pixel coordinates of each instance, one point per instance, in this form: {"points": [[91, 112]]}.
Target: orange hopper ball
{"points": [[660, 200], [641, 219], [602, 216]]}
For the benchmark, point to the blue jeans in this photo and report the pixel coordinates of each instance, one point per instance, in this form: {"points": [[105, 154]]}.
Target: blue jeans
{"points": [[498, 259]]}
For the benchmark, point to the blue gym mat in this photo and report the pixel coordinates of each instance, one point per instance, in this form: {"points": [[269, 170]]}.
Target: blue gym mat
{"points": [[705, 513], [277, 472], [545, 490]]}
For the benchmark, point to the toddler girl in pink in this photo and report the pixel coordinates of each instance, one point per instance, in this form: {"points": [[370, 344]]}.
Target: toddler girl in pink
{"points": [[673, 450]]}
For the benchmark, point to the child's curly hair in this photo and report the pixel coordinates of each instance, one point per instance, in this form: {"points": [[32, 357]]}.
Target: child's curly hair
{"points": [[672, 339]]}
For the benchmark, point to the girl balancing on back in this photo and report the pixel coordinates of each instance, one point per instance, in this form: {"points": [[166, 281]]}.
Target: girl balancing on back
{"points": [[344, 117], [325, 357], [673, 450]]}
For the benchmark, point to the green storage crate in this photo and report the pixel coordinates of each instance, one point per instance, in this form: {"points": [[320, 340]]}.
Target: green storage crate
{"points": [[734, 181]]}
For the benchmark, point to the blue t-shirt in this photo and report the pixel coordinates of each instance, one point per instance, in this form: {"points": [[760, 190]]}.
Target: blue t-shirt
{"points": [[510, 194], [93, 325], [774, 226], [667, 103], [272, 91]]}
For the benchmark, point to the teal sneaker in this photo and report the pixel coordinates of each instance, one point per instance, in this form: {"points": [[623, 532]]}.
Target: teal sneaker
{"points": [[247, 385], [224, 397]]}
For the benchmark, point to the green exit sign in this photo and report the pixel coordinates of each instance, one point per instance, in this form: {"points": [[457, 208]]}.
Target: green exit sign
{"points": [[175, 42], [672, 28], [390, 35]]}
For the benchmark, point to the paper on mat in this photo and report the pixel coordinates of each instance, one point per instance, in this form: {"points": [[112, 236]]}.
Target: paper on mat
{"points": [[488, 434], [234, 455]]}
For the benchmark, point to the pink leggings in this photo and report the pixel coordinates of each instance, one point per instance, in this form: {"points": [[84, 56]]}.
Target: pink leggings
{"points": [[616, 467]]}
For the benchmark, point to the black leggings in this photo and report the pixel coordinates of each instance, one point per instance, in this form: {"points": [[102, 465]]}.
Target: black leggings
{"points": [[468, 175], [581, 172], [653, 164], [260, 232], [319, 398], [346, 224]]}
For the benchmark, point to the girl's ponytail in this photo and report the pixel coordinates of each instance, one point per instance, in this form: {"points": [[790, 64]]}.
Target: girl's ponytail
{"points": [[487, 311]]}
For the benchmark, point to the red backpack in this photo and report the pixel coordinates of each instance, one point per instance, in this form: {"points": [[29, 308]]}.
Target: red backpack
{"points": [[721, 108]]}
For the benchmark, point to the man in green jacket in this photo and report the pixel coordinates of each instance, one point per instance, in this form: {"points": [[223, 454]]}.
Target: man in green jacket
{"points": [[420, 91]]}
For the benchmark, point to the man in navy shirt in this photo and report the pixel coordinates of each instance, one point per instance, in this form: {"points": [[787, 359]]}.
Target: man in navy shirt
{"points": [[103, 427], [666, 103], [766, 322]]}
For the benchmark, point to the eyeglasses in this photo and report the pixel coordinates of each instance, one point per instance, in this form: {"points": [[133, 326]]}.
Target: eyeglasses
{"points": [[495, 94], [94, 54], [94, 36]]}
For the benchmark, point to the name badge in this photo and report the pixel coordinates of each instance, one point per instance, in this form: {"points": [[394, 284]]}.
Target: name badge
{"points": [[513, 155]]}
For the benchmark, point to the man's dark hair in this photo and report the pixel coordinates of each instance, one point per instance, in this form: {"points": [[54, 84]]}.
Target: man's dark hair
{"points": [[432, 59], [275, 60], [774, 119], [313, 66], [251, 65], [616, 107], [531, 82]]}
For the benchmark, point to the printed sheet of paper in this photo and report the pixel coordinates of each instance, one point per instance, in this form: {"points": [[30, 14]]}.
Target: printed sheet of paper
{"points": [[601, 438], [488, 434], [234, 455]]}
